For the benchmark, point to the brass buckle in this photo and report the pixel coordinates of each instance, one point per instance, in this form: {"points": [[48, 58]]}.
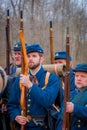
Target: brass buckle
{"points": [[29, 117]]}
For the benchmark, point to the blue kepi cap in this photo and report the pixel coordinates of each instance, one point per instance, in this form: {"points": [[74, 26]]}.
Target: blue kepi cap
{"points": [[17, 46], [35, 48], [61, 55], [81, 67]]}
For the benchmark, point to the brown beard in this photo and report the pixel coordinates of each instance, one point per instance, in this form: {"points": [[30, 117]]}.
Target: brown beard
{"points": [[34, 66]]}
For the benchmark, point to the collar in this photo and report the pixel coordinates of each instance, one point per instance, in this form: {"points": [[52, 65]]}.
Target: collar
{"points": [[38, 73], [31, 73]]}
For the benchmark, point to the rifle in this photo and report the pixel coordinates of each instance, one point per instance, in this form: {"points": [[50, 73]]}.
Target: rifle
{"points": [[8, 44], [66, 116], [3, 119], [24, 70], [51, 43]]}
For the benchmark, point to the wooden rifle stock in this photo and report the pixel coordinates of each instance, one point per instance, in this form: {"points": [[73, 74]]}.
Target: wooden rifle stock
{"points": [[66, 116], [8, 44], [51, 43], [24, 71]]}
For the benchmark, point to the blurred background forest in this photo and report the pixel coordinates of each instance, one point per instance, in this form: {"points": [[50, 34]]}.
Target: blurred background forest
{"points": [[37, 15]]}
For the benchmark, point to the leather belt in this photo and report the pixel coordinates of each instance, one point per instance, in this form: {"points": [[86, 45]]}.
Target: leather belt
{"points": [[35, 117]]}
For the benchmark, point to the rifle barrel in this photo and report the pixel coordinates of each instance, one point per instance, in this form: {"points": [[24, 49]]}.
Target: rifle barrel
{"points": [[51, 43], [21, 20], [8, 44], [50, 24], [66, 116]]}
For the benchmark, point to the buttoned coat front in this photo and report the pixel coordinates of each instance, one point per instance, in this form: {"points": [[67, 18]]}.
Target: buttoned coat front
{"points": [[37, 99]]}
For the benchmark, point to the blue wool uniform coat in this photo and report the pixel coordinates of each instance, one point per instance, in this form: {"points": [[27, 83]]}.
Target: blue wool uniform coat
{"points": [[13, 69], [5, 95], [72, 84], [6, 92], [37, 99], [79, 115]]}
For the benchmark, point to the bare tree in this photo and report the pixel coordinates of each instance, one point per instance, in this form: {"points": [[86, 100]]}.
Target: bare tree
{"points": [[37, 14]]}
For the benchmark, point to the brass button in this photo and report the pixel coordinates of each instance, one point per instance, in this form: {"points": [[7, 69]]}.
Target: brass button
{"points": [[29, 100], [28, 111], [78, 126], [79, 120], [28, 105]]}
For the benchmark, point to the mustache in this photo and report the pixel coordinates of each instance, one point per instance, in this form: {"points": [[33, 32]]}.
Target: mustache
{"points": [[31, 62]]}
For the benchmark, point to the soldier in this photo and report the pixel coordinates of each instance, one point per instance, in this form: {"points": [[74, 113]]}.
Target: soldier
{"points": [[4, 95], [60, 58], [3, 82], [38, 98], [78, 105], [17, 58]]}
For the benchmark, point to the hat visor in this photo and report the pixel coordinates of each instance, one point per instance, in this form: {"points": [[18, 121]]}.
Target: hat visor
{"points": [[79, 70]]}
